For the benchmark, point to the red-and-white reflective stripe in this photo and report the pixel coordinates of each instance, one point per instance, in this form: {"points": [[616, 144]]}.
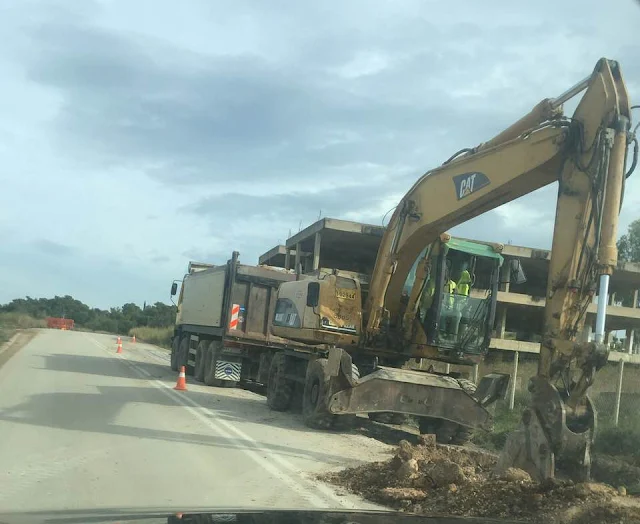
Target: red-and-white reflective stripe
{"points": [[235, 312]]}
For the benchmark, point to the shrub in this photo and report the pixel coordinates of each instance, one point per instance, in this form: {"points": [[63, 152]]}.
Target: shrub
{"points": [[160, 336]]}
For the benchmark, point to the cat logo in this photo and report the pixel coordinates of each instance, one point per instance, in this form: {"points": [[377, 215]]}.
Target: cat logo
{"points": [[467, 183]]}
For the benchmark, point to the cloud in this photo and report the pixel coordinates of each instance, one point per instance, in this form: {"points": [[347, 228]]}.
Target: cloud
{"points": [[52, 248], [145, 145]]}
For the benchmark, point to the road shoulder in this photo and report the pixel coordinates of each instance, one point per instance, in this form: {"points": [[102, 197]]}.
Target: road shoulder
{"points": [[20, 339]]}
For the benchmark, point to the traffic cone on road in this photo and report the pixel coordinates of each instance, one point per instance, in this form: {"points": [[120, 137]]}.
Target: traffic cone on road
{"points": [[119, 350], [133, 339], [181, 385]]}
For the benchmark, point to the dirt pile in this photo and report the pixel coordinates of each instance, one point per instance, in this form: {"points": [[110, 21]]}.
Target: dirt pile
{"points": [[434, 480]]}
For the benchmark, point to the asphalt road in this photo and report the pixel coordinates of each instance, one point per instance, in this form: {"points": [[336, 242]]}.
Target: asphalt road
{"points": [[82, 427]]}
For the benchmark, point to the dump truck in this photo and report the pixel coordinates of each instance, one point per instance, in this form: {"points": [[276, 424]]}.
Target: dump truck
{"points": [[223, 333]]}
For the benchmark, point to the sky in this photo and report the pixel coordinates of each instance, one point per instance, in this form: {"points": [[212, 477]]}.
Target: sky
{"points": [[136, 136]]}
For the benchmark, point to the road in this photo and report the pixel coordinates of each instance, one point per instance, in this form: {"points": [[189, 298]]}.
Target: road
{"points": [[83, 427]]}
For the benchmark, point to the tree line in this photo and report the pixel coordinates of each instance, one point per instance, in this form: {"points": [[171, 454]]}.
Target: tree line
{"points": [[114, 320]]}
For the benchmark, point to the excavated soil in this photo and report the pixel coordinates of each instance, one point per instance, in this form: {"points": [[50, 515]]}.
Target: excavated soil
{"points": [[439, 480]]}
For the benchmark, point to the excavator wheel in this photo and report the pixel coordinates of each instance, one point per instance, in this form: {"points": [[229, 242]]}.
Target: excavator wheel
{"points": [[175, 345], [315, 411], [315, 398], [279, 388], [447, 432], [388, 417], [463, 433], [200, 354], [345, 422]]}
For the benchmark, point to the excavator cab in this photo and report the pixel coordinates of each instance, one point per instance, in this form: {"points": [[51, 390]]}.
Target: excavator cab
{"points": [[456, 307]]}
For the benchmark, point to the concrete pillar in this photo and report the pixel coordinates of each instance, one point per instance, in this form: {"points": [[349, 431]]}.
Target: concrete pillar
{"points": [[502, 321], [287, 258], [587, 331], [616, 414], [447, 369], [612, 299], [629, 341], [635, 298], [512, 393], [475, 373], [297, 256], [316, 251], [608, 335], [505, 275]]}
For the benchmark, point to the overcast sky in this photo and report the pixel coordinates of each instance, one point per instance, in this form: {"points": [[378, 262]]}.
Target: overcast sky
{"points": [[138, 135]]}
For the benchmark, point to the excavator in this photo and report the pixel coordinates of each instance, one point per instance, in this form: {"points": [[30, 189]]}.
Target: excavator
{"points": [[411, 309]]}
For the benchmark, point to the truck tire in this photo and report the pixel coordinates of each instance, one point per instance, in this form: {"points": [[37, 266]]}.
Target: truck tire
{"points": [[183, 352], [279, 388], [209, 365], [175, 345], [200, 354], [315, 411]]}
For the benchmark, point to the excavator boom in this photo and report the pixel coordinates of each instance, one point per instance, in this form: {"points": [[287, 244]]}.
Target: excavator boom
{"points": [[586, 155]]}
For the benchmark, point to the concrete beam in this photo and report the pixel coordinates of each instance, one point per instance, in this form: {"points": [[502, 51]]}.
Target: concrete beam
{"points": [[519, 299], [534, 347]]}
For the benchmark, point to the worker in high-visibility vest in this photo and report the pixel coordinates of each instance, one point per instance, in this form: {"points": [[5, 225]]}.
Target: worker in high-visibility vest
{"points": [[463, 287], [464, 283], [450, 288], [447, 320]]}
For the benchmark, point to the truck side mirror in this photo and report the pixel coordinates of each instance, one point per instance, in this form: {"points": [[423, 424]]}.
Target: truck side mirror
{"points": [[517, 273], [174, 288], [313, 294]]}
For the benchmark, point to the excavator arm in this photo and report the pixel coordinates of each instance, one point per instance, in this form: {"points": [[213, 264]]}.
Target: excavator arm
{"points": [[586, 154]]}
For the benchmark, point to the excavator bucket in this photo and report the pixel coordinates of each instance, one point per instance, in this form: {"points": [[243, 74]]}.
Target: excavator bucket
{"points": [[543, 436]]}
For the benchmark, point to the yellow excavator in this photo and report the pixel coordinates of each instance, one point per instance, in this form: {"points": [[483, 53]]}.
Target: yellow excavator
{"points": [[411, 309]]}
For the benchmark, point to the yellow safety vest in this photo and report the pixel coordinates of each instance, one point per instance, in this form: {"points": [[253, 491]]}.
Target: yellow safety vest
{"points": [[464, 284], [450, 287]]}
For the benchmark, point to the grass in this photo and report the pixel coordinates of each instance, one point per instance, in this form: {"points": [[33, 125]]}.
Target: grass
{"points": [[505, 421], [160, 336], [10, 322]]}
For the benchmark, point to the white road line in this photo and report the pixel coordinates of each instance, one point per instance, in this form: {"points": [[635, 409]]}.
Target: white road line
{"points": [[205, 416]]}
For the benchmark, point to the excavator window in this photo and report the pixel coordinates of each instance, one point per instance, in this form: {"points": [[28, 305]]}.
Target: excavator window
{"points": [[457, 304]]}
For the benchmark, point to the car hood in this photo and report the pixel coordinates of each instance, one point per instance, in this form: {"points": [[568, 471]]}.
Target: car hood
{"points": [[232, 516]]}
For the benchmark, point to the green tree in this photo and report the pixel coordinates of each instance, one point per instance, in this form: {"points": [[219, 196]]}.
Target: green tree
{"points": [[629, 244], [115, 320]]}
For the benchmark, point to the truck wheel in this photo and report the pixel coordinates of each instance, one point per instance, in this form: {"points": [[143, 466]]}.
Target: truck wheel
{"points": [[279, 388], [315, 411], [175, 345], [200, 354], [183, 352], [210, 368]]}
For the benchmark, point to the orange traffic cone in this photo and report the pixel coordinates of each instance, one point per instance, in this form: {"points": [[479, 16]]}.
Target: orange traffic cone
{"points": [[181, 385], [119, 350], [133, 339]]}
